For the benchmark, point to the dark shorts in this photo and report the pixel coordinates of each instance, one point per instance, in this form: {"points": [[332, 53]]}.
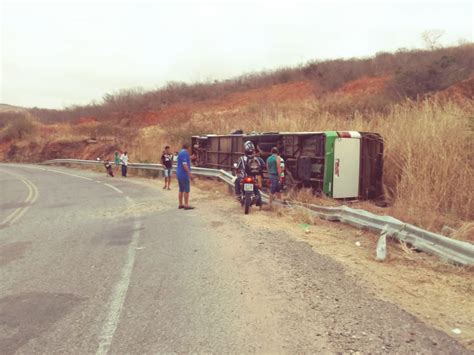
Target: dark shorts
{"points": [[184, 185], [274, 184]]}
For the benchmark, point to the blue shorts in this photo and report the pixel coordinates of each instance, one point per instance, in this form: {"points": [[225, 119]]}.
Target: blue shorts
{"points": [[274, 184], [167, 172], [184, 185]]}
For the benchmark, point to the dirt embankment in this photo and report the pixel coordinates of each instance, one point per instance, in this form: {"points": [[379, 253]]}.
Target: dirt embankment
{"points": [[462, 92], [54, 143], [365, 85], [69, 140]]}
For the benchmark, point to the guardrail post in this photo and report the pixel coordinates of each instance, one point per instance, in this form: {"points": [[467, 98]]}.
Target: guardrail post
{"points": [[381, 250]]}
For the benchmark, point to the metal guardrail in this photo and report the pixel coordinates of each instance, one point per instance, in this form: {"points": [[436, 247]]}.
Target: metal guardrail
{"points": [[449, 249], [452, 250]]}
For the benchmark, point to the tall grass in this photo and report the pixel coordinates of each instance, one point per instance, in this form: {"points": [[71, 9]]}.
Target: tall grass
{"points": [[428, 170]]}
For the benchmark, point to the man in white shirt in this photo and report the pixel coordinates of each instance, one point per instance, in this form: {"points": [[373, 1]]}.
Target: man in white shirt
{"points": [[124, 163]]}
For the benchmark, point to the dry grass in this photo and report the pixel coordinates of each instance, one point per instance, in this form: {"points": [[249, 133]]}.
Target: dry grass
{"points": [[149, 145], [428, 150], [21, 125], [465, 232]]}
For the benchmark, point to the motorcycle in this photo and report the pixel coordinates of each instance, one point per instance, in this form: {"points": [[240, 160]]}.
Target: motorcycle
{"points": [[248, 196]]}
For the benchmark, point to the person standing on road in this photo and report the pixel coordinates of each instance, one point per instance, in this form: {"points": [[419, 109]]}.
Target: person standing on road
{"points": [[274, 171], [124, 163], [183, 173], [116, 162], [167, 161], [108, 168]]}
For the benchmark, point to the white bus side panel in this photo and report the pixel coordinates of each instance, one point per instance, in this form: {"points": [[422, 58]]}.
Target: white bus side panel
{"points": [[346, 168]]}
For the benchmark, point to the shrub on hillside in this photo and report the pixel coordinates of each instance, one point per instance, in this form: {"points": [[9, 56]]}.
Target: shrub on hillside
{"points": [[416, 73], [183, 127], [363, 103], [420, 80], [22, 126], [9, 117]]}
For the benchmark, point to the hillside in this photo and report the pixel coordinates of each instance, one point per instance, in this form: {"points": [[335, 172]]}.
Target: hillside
{"points": [[11, 108], [422, 109]]}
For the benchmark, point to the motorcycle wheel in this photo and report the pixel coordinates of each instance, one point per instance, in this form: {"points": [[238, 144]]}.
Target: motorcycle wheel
{"points": [[247, 203]]}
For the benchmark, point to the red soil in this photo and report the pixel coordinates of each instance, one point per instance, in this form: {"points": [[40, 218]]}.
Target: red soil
{"points": [[86, 120], [276, 93], [297, 91], [45, 131], [365, 85], [460, 92], [174, 112], [4, 147]]}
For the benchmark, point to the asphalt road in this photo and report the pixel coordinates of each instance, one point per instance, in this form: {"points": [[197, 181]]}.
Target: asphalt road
{"points": [[90, 264]]}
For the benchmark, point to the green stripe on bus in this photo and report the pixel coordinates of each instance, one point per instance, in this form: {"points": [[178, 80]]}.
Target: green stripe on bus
{"points": [[329, 162]]}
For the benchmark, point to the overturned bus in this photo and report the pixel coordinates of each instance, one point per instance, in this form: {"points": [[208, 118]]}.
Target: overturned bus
{"points": [[338, 164]]}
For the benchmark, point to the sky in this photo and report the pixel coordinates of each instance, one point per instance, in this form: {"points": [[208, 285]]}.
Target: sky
{"points": [[55, 54]]}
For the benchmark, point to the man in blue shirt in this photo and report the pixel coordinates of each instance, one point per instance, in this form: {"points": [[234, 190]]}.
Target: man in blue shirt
{"points": [[183, 173]]}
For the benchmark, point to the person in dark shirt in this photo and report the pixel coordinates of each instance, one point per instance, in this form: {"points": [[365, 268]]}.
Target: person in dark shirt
{"points": [[108, 168], [167, 161], [249, 164]]}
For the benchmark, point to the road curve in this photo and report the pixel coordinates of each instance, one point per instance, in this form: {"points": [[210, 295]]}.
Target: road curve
{"points": [[90, 264]]}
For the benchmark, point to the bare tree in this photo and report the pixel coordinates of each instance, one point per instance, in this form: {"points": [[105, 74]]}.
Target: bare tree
{"points": [[431, 38], [463, 41]]}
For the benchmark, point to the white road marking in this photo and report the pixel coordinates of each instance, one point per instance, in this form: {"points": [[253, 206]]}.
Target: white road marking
{"points": [[53, 170], [114, 188], [119, 293], [33, 194], [27, 166], [74, 175]]}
